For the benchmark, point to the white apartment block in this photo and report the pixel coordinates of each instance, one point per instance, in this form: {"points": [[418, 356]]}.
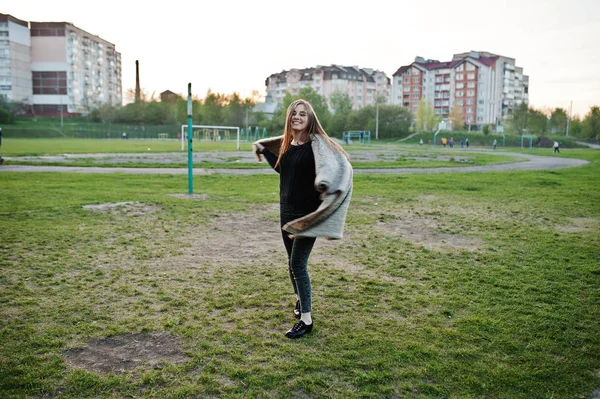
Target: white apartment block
{"points": [[15, 60], [487, 87], [363, 85], [61, 70]]}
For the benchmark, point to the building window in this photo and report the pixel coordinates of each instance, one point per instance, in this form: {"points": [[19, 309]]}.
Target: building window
{"points": [[470, 93], [415, 103], [50, 82], [460, 68], [416, 79], [460, 85], [470, 85], [406, 88], [470, 101], [415, 95], [470, 76], [459, 102], [470, 67], [469, 110], [459, 93]]}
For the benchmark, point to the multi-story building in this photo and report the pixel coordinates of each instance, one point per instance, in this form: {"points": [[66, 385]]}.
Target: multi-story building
{"points": [[486, 87], [15, 60], [72, 69], [58, 68], [363, 85]]}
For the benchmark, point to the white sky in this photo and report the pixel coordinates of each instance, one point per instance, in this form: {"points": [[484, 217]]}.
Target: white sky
{"points": [[234, 45]]}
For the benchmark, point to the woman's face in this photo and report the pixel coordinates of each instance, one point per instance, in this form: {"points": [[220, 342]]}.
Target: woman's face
{"points": [[299, 118]]}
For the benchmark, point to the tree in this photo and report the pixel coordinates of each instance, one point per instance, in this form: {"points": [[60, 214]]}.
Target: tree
{"points": [[558, 121], [575, 126], [212, 109], [456, 118], [590, 128], [394, 121], [519, 119], [537, 122], [342, 107], [6, 115], [341, 103], [425, 116]]}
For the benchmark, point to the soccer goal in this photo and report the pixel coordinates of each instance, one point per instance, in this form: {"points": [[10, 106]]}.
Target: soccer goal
{"points": [[210, 133]]}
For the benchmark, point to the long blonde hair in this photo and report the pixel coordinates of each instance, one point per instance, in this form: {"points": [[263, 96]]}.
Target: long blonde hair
{"points": [[313, 126]]}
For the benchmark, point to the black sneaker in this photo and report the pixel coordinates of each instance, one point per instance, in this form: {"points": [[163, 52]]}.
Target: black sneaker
{"points": [[297, 312], [299, 330]]}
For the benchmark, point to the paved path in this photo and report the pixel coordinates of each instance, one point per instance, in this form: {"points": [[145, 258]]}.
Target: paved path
{"points": [[533, 162]]}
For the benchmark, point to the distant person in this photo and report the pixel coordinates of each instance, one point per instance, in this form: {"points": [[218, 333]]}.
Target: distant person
{"points": [[495, 144], [462, 143], [124, 136], [539, 141], [444, 141], [451, 142], [1, 160], [555, 146], [467, 143], [421, 142]]}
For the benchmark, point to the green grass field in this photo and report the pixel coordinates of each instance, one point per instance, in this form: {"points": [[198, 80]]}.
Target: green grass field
{"points": [[482, 285]]}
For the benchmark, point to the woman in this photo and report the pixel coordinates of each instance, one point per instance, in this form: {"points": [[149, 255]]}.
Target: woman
{"points": [[315, 189]]}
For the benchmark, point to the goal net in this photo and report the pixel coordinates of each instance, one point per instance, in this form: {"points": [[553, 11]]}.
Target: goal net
{"points": [[210, 133]]}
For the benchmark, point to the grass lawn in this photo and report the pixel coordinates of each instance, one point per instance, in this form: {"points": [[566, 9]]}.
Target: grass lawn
{"points": [[482, 285]]}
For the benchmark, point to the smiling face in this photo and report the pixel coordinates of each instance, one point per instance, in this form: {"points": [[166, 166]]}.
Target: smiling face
{"points": [[299, 118]]}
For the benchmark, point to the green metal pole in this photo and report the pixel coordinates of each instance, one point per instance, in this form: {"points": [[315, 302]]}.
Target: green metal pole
{"points": [[189, 133]]}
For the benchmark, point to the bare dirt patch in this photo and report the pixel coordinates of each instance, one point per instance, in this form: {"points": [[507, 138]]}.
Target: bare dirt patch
{"points": [[189, 196], [579, 225], [126, 352], [230, 238], [132, 208], [426, 232]]}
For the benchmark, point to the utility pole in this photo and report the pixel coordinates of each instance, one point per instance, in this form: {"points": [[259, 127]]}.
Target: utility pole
{"points": [[189, 134]]}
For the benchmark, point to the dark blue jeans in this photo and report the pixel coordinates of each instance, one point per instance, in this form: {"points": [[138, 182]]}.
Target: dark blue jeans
{"points": [[298, 250]]}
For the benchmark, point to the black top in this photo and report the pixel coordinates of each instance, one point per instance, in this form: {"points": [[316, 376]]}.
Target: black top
{"points": [[296, 177]]}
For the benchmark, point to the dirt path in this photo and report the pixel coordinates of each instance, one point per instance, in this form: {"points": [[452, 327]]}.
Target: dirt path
{"points": [[533, 162]]}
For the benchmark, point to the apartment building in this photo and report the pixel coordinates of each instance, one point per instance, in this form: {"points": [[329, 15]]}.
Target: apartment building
{"points": [[15, 60], [486, 87], [69, 71], [363, 85]]}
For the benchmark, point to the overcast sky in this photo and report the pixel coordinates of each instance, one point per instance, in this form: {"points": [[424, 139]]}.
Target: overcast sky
{"points": [[230, 45]]}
